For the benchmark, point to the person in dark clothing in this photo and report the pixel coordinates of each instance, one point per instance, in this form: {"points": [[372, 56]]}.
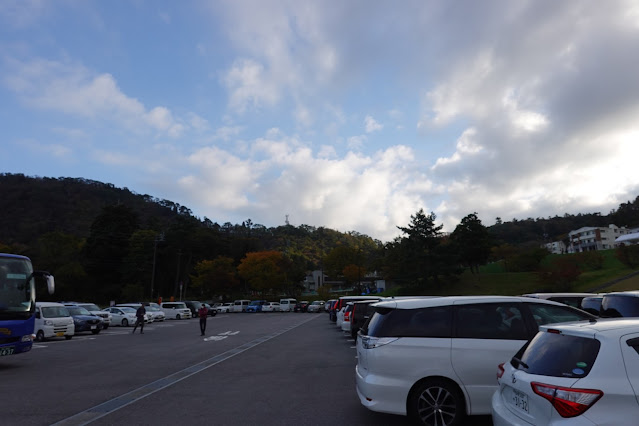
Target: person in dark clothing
{"points": [[140, 314], [203, 313]]}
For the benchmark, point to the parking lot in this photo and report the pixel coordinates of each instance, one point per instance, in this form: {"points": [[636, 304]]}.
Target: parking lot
{"points": [[280, 368]]}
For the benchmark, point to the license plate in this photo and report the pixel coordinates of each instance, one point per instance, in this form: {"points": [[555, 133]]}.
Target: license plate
{"points": [[7, 350], [520, 400], [93, 327], [60, 333]]}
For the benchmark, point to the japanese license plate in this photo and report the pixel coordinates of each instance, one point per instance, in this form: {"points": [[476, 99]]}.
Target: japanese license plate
{"points": [[520, 400], [93, 327], [7, 350], [60, 333]]}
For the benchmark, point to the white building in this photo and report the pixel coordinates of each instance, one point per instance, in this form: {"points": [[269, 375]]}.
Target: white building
{"points": [[556, 247], [591, 238]]}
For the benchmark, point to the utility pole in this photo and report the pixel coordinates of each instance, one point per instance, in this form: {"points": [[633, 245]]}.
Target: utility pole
{"points": [[158, 238], [177, 276]]}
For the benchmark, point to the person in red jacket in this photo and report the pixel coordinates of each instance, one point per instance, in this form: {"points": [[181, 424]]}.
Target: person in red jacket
{"points": [[203, 313]]}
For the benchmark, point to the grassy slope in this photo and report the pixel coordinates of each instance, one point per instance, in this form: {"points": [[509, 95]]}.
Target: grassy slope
{"points": [[494, 280]]}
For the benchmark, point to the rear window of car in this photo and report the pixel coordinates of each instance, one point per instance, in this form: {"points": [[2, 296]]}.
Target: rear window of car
{"points": [[614, 306], [424, 322], [557, 355]]}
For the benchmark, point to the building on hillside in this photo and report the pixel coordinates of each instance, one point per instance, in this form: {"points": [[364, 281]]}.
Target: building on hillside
{"points": [[630, 238], [316, 279], [590, 238], [556, 247]]}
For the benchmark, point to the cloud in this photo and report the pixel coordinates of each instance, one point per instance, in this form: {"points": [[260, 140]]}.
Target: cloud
{"points": [[74, 90], [371, 125]]}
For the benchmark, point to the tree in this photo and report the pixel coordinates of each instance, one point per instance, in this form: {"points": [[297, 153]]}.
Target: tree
{"points": [[215, 277], [472, 242], [559, 274], [628, 255], [263, 271], [418, 258]]}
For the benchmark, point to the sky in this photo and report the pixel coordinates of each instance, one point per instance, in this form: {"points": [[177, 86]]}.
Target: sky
{"points": [[350, 115]]}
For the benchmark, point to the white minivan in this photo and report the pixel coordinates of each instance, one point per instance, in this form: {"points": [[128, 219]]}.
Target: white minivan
{"points": [[287, 305], [175, 310], [240, 305], [53, 320]]}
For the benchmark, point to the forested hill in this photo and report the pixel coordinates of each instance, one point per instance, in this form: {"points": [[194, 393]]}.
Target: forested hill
{"points": [[33, 206]]}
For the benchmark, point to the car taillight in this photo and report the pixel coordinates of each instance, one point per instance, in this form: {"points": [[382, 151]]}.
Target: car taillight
{"points": [[500, 370], [568, 402], [346, 316]]}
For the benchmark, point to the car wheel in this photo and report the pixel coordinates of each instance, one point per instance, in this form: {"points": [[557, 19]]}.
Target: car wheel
{"points": [[68, 337], [125, 322], [40, 336], [214, 313], [436, 402], [105, 326]]}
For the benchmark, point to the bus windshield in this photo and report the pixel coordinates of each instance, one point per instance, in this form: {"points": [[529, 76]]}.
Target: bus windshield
{"points": [[17, 288]]}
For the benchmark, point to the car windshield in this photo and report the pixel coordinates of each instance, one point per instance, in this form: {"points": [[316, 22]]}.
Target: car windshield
{"points": [[91, 307], [127, 310], [78, 310], [55, 312], [152, 308]]}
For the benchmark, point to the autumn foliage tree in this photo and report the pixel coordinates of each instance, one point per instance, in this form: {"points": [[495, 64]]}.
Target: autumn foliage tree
{"points": [[263, 270], [216, 277]]}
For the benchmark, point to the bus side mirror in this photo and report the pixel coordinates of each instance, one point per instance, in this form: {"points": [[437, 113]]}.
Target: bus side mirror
{"points": [[50, 284]]}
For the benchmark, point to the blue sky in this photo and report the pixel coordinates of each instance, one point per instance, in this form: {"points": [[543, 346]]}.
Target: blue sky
{"points": [[350, 115]]}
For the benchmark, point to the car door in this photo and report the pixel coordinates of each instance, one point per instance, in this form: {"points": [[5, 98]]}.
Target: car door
{"points": [[485, 335]]}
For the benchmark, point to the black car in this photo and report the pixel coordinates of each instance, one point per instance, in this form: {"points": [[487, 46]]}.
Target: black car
{"points": [[85, 320], [361, 313], [301, 306]]}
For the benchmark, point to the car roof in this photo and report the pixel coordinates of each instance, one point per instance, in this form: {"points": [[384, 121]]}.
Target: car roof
{"points": [[547, 295], [415, 303], [633, 293], [48, 304], [608, 326]]}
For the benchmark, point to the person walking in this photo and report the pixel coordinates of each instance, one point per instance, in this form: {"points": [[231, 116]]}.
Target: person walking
{"points": [[203, 313], [140, 314]]}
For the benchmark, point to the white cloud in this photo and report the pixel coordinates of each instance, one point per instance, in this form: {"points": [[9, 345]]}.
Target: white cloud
{"points": [[371, 125]]}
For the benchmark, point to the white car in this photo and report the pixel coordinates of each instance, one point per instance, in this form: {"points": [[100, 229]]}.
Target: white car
{"points": [[271, 307], [148, 316], [431, 358], [316, 306], [345, 322], [156, 313], [224, 308], [123, 316], [175, 310], [582, 373]]}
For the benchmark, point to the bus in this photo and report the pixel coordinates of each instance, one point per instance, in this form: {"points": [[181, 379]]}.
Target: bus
{"points": [[17, 302]]}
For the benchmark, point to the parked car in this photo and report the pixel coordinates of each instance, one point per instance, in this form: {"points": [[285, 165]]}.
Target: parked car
{"points": [[362, 311], [592, 305], [316, 306], [52, 320], [570, 299], [346, 317], [94, 310], [240, 305], [123, 316], [156, 313], [84, 320], [620, 304], [255, 306], [194, 306], [175, 310], [211, 311], [148, 316], [287, 304], [341, 302], [584, 373], [224, 308], [447, 346], [271, 307], [301, 306], [329, 305]]}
